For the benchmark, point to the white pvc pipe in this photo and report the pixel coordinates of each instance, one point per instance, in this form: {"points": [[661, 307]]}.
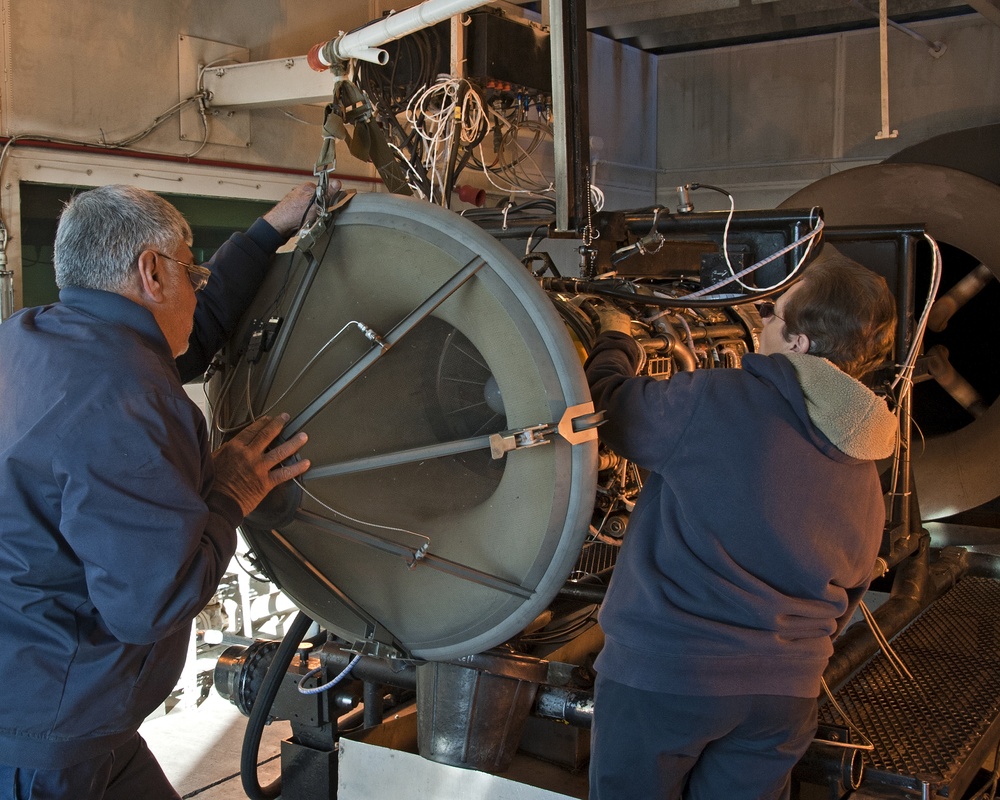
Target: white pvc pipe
{"points": [[363, 43]]}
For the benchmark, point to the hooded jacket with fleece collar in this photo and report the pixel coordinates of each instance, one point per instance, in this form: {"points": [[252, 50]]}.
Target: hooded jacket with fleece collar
{"points": [[755, 534]]}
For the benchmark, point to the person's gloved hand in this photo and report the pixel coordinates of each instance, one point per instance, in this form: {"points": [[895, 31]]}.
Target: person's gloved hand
{"points": [[610, 318]]}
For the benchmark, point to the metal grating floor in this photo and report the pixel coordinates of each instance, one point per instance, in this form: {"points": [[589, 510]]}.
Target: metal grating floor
{"points": [[595, 558], [930, 732]]}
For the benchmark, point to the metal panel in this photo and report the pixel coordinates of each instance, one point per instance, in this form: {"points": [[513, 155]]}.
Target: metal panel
{"points": [[227, 126]]}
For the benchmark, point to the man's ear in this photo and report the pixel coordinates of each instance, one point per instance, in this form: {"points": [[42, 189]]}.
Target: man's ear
{"points": [[151, 285], [799, 343]]}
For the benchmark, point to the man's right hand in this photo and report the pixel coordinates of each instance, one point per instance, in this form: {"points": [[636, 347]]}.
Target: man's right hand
{"points": [[247, 471]]}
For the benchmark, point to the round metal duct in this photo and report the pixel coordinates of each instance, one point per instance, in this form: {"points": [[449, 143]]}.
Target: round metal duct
{"points": [[958, 470], [973, 150], [443, 509]]}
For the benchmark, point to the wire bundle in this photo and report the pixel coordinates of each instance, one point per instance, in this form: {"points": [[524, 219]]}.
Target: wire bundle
{"points": [[447, 116]]}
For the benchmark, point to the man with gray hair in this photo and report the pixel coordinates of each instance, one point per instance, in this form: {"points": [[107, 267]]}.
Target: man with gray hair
{"points": [[117, 519]]}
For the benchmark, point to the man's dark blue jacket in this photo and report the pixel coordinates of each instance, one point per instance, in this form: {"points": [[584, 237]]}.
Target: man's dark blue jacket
{"points": [[111, 538]]}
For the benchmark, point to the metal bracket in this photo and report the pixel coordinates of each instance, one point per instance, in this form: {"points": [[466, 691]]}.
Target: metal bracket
{"points": [[578, 424], [531, 436], [885, 132], [368, 647], [311, 234], [226, 126]]}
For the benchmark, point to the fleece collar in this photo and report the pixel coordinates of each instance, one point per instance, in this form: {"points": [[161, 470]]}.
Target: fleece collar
{"points": [[850, 415]]}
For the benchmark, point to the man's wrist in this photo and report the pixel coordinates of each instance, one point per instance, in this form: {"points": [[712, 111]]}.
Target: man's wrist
{"points": [[265, 235]]}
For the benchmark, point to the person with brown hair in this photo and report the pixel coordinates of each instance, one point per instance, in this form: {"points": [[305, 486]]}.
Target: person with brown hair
{"points": [[845, 311], [751, 544]]}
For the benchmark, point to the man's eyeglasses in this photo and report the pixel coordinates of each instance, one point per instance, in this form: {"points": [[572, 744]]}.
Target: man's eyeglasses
{"points": [[198, 274], [766, 311]]}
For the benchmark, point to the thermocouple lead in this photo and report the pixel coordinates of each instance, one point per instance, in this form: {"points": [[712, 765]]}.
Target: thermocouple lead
{"points": [[371, 336]]}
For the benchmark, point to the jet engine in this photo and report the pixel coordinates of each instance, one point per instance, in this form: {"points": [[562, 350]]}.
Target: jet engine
{"points": [[451, 543]]}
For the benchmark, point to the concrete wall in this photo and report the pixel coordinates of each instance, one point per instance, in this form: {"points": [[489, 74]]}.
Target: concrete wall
{"points": [[623, 123], [88, 72], [765, 120], [105, 70]]}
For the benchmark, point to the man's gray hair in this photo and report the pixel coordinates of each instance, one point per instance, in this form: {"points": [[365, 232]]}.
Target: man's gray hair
{"points": [[102, 232]]}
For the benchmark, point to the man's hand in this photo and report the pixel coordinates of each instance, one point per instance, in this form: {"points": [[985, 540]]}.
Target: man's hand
{"points": [[610, 318], [247, 471], [297, 209]]}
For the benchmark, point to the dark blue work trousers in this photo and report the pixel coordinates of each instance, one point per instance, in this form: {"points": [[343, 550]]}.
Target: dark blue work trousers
{"points": [[657, 746], [129, 772]]}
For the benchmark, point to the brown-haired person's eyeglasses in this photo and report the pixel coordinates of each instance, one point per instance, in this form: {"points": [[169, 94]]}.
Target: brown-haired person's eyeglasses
{"points": [[766, 311]]}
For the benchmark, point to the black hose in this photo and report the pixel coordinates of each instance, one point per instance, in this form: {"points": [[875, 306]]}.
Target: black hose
{"points": [[598, 288], [262, 707]]}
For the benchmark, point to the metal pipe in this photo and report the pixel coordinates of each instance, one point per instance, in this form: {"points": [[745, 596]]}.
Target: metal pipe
{"points": [[401, 329], [373, 698], [368, 669], [684, 357], [957, 296], [6, 293], [520, 231], [715, 221], [572, 706], [588, 592], [949, 379], [842, 768], [936, 48], [363, 43], [570, 115]]}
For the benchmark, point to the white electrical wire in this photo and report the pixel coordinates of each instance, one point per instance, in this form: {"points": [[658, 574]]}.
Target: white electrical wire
{"points": [[891, 655], [904, 374], [436, 116], [368, 335], [596, 197], [809, 239], [427, 539], [360, 325], [125, 143], [519, 180], [865, 745], [906, 368], [250, 412], [509, 189], [414, 184]]}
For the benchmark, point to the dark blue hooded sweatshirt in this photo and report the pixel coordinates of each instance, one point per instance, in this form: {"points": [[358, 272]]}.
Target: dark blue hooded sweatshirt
{"points": [[754, 536]]}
